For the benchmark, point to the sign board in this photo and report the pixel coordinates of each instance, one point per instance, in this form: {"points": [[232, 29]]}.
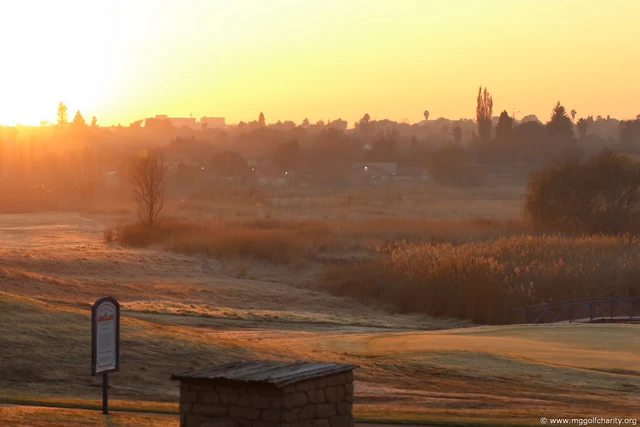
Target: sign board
{"points": [[105, 336]]}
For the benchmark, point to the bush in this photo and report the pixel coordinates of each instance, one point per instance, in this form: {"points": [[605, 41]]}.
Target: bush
{"points": [[601, 195]]}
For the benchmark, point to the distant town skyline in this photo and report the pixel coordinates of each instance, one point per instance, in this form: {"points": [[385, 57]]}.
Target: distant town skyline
{"points": [[127, 60], [219, 122]]}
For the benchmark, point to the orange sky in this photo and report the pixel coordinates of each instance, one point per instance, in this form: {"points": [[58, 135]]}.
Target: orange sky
{"points": [[130, 59]]}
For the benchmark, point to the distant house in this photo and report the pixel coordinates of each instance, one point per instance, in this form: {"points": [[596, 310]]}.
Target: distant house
{"points": [[212, 122], [179, 122], [379, 168], [312, 173], [412, 174], [268, 174], [176, 122], [190, 122], [367, 173]]}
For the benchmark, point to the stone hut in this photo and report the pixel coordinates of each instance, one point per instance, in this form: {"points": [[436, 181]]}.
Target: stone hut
{"points": [[267, 394]]}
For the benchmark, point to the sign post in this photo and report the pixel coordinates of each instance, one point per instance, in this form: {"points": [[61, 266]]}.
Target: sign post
{"points": [[105, 343]]}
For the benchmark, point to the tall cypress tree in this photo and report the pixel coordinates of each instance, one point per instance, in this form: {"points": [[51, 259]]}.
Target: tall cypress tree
{"points": [[484, 112]]}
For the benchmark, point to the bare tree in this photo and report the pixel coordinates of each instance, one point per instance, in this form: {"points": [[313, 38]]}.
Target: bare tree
{"points": [[147, 179]]}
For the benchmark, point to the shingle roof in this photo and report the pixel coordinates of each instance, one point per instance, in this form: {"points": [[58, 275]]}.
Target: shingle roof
{"points": [[276, 373]]}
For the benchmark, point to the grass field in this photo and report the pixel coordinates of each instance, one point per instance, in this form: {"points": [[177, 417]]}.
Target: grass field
{"points": [[25, 416], [183, 311]]}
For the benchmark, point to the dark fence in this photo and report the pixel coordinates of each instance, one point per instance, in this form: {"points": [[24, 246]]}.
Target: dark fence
{"points": [[592, 310]]}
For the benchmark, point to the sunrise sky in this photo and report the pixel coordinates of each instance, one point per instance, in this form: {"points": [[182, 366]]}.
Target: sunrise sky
{"points": [[131, 59]]}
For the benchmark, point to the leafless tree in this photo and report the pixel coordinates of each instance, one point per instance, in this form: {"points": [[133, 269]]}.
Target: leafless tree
{"points": [[147, 178]]}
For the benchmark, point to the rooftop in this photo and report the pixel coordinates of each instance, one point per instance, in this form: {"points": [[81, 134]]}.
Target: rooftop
{"points": [[267, 372]]}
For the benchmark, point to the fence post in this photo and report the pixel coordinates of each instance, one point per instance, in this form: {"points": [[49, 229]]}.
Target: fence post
{"points": [[526, 315]]}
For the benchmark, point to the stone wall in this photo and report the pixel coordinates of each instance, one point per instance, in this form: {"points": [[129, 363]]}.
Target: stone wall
{"points": [[321, 402]]}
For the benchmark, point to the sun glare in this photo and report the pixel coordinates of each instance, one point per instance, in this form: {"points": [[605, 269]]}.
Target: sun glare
{"points": [[442, 194], [126, 60], [60, 55]]}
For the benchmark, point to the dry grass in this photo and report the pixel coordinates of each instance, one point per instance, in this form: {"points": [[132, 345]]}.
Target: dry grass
{"points": [[42, 330], [480, 281], [42, 199], [55, 266], [61, 257], [378, 203], [296, 240], [25, 416]]}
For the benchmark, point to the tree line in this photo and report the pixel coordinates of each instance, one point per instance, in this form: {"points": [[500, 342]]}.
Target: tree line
{"points": [[449, 150]]}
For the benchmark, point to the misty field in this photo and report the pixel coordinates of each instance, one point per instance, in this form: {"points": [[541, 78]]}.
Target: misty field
{"points": [[391, 185], [218, 282], [472, 269]]}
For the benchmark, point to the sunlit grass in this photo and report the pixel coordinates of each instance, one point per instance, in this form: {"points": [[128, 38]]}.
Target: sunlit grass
{"points": [[183, 310], [30, 416], [471, 376], [482, 280], [292, 240]]}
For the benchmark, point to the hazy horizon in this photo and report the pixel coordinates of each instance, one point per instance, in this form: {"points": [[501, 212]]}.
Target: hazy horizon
{"points": [[124, 61], [477, 270]]}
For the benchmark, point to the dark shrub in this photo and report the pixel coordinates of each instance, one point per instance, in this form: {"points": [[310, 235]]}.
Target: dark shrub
{"points": [[601, 195]]}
